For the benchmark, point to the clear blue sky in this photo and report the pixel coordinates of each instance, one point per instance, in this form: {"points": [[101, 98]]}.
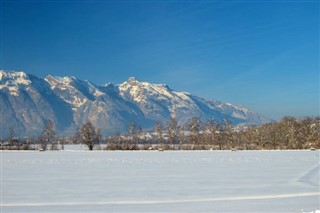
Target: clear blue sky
{"points": [[264, 55]]}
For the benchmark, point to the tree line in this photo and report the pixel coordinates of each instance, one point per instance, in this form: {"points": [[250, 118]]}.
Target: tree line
{"points": [[288, 133]]}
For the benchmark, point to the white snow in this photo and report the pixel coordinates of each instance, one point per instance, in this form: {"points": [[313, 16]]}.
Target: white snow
{"points": [[98, 93], [13, 90], [15, 77], [70, 93], [13, 80], [238, 115], [180, 181], [152, 97]]}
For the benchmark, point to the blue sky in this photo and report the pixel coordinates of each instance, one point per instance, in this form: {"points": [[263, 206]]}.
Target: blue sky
{"points": [[261, 54]]}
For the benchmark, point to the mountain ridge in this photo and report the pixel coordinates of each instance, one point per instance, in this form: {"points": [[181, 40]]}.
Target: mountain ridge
{"points": [[27, 102]]}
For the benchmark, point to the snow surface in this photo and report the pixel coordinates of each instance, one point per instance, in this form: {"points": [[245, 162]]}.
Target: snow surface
{"points": [[13, 80], [180, 181]]}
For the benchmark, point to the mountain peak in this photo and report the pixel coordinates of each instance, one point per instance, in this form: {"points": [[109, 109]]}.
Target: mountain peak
{"points": [[15, 77], [13, 74], [13, 81], [56, 80], [132, 81]]}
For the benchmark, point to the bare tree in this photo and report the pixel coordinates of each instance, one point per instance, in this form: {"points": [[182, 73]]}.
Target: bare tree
{"points": [[227, 133], [181, 137], [137, 137], [314, 133], [159, 131], [288, 125], [62, 142], [89, 135], [132, 136], [194, 128], [48, 135], [172, 129], [114, 142], [289, 133], [211, 128]]}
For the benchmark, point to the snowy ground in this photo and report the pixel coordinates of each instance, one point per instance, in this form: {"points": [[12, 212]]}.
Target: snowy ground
{"points": [[179, 181]]}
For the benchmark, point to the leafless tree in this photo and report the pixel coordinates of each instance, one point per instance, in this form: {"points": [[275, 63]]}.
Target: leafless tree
{"points": [[210, 131], [194, 128], [172, 130], [227, 133], [48, 135], [89, 135], [314, 134], [288, 133], [132, 136], [137, 137], [159, 131], [181, 137]]}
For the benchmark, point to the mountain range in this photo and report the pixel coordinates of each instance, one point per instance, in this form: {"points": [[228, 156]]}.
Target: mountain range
{"points": [[28, 102]]}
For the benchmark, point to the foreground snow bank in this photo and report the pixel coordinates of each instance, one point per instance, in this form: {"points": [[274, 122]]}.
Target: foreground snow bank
{"points": [[197, 181]]}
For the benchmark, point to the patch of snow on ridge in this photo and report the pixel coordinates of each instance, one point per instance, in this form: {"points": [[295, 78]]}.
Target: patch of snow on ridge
{"points": [[13, 90], [13, 80], [238, 115], [22, 78], [59, 81], [141, 91], [66, 90], [240, 107], [76, 102], [183, 95], [98, 93]]}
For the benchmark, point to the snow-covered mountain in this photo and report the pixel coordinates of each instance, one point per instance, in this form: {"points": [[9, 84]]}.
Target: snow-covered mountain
{"points": [[27, 102]]}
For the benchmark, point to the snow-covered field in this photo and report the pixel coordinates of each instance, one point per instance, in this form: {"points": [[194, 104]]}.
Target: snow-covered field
{"points": [[178, 181]]}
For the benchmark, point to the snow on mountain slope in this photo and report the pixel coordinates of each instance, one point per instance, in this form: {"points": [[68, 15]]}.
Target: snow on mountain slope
{"points": [[71, 90], [12, 81], [100, 105], [27, 102], [159, 102]]}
